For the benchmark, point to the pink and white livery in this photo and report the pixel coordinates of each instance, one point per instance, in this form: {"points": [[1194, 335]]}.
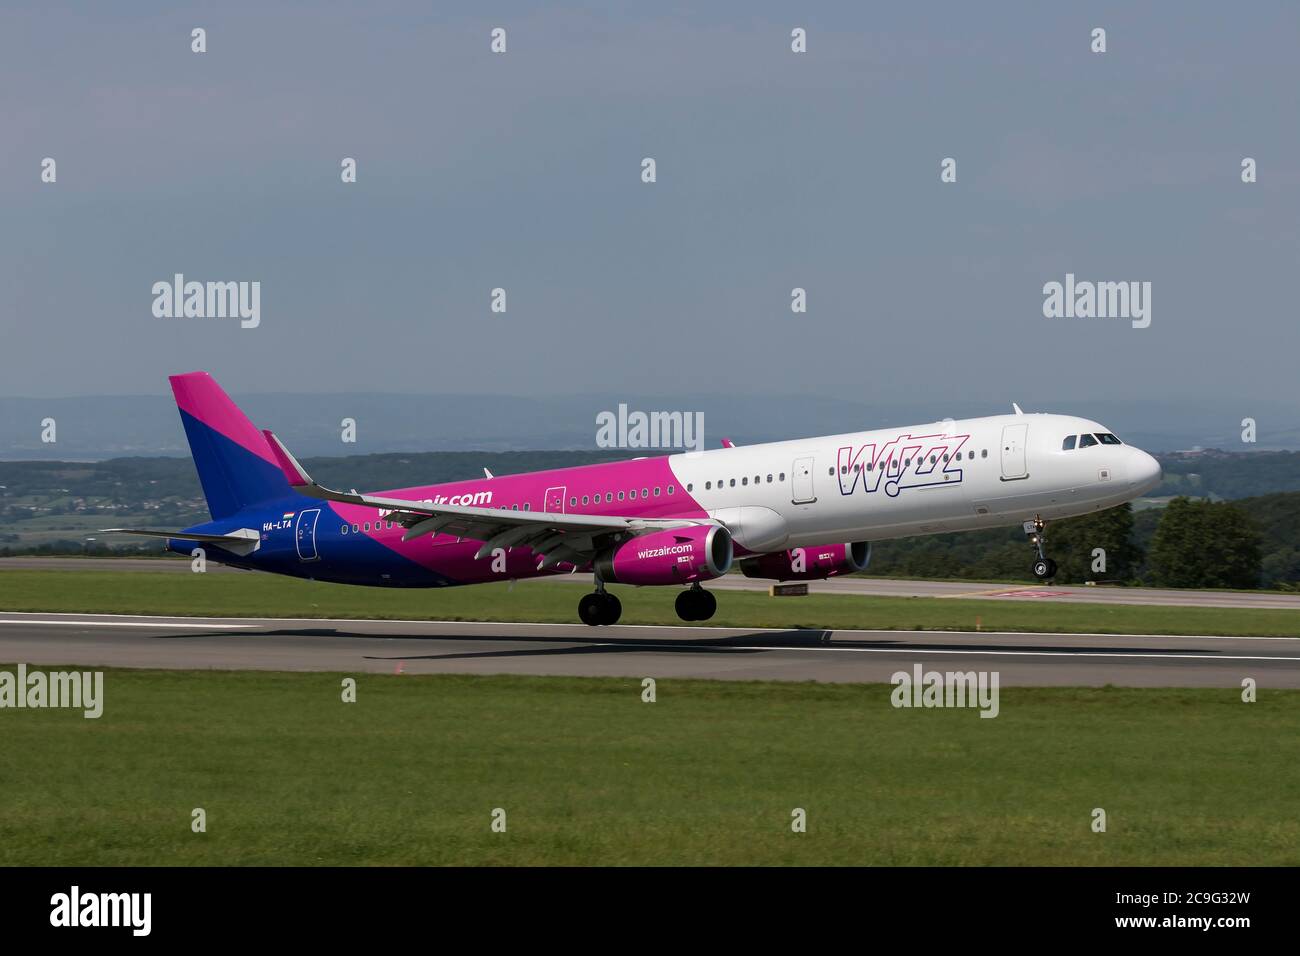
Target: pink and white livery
{"points": [[676, 520]]}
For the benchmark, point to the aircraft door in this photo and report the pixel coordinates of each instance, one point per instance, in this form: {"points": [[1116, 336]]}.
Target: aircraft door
{"points": [[555, 500], [1013, 452], [305, 534], [801, 482]]}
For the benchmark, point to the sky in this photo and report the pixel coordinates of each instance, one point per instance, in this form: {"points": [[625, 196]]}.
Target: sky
{"points": [[775, 170]]}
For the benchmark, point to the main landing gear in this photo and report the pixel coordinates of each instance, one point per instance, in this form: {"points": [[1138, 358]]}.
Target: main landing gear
{"points": [[696, 604], [1044, 568], [600, 607]]}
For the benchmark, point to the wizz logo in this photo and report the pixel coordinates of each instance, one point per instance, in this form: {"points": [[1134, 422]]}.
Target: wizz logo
{"points": [[908, 461]]}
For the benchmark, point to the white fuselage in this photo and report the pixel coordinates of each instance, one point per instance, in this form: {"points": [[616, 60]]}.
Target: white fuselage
{"points": [[925, 479]]}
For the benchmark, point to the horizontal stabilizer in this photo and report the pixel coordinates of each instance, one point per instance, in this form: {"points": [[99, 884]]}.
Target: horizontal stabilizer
{"points": [[241, 541]]}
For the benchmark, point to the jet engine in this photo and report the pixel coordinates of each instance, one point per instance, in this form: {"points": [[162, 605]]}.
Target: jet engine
{"points": [[809, 564]]}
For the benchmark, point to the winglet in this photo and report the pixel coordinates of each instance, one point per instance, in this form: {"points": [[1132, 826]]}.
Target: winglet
{"points": [[728, 443], [486, 473], [294, 472], [1017, 408]]}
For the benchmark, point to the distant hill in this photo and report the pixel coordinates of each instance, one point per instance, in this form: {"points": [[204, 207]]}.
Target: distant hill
{"points": [[103, 427]]}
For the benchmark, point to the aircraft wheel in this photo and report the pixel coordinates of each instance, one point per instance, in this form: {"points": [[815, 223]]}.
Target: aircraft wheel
{"points": [[611, 609], [706, 606], [1044, 568], [686, 606], [590, 608]]}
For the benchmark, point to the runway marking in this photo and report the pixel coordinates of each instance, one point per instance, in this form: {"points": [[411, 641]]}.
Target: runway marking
{"points": [[975, 652], [962, 594], [74, 617], [1030, 593], [65, 622]]}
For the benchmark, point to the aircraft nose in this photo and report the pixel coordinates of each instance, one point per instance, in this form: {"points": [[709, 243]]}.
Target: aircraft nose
{"points": [[1144, 471]]}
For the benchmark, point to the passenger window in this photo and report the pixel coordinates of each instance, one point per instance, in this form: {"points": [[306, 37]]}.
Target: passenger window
{"points": [[781, 477], [769, 479], [345, 529], [656, 491], [609, 496], [356, 529], [690, 486], [573, 501], [632, 494], [970, 455], [620, 496], [984, 452], [670, 489], [585, 499], [1068, 444], [708, 486], [733, 482], [1086, 441], [514, 507], [645, 492], [367, 525]]}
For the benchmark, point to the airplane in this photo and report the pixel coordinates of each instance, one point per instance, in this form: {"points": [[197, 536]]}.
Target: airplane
{"points": [[799, 510]]}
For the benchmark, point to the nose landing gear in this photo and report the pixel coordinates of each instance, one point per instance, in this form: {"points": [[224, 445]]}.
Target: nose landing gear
{"points": [[696, 604], [599, 607], [1044, 568]]}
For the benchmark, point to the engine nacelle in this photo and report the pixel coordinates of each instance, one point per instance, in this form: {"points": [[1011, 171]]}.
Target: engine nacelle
{"points": [[809, 564], [678, 556]]}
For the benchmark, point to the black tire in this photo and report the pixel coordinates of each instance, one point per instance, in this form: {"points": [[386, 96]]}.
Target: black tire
{"points": [[611, 609], [706, 605], [1043, 569], [1051, 568], [589, 609], [686, 606]]}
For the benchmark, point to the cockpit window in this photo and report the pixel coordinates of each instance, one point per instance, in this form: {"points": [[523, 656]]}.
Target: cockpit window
{"points": [[1068, 444], [1086, 441], [1108, 439]]}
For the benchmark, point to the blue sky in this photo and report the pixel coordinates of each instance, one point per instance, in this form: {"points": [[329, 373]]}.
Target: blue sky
{"points": [[775, 170]]}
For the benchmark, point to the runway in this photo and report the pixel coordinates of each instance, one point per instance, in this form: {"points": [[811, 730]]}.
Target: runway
{"points": [[866, 586], [426, 647]]}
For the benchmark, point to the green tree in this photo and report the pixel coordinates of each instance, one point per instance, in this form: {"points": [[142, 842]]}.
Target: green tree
{"points": [[1074, 542], [1205, 544]]}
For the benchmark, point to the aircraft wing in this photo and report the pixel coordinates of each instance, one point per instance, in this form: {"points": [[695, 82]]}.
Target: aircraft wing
{"points": [[556, 537]]}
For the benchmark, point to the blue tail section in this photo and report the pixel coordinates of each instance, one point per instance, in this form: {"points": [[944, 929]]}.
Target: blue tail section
{"points": [[235, 465]]}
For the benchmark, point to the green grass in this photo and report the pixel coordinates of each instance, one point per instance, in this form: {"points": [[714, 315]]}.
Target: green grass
{"points": [[258, 595], [589, 774]]}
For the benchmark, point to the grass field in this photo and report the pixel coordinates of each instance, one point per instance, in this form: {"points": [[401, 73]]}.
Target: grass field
{"points": [[258, 595], [587, 773]]}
